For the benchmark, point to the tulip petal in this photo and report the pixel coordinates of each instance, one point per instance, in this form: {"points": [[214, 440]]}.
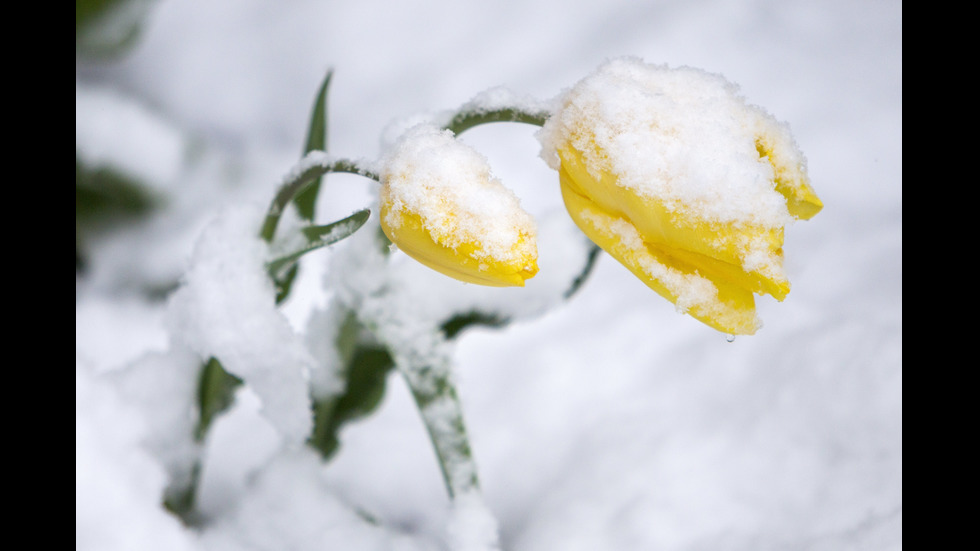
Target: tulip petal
{"points": [[774, 142], [717, 302], [791, 183], [460, 263], [441, 206], [721, 249], [682, 181]]}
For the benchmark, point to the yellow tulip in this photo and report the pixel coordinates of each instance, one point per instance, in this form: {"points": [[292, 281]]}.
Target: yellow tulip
{"points": [[673, 175], [441, 206]]}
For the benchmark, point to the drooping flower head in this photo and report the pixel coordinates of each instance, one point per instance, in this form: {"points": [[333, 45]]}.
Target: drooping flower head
{"points": [[441, 205], [675, 176]]}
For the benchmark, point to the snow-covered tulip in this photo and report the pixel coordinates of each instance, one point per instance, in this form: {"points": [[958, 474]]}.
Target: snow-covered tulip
{"points": [[675, 176], [441, 206]]}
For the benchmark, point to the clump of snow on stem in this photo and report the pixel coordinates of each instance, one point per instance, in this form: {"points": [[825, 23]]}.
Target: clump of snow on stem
{"points": [[681, 136], [443, 415], [226, 308], [472, 527], [322, 329], [502, 98]]}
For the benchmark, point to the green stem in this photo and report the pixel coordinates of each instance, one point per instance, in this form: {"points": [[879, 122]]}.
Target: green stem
{"points": [[437, 401], [311, 167], [465, 119], [316, 163]]}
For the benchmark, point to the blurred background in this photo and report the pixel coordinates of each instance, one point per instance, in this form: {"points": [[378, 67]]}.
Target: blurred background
{"points": [[611, 422]]}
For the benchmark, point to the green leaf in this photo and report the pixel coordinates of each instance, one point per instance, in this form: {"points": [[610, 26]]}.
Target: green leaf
{"points": [[366, 367], [456, 324], [298, 181], [181, 499], [316, 238], [285, 284], [107, 28], [88, 10], [215, 393], [316, 140], [106, 199], [366, 382], [103, 193]]}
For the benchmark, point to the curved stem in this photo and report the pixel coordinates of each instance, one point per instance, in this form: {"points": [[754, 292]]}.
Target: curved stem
{"points": [[465, 118], [311, 167], [317, 163]]}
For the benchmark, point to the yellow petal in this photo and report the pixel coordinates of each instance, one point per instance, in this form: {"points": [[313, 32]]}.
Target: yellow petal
{"points": [[461, 263], [441, 206], [716, 248], [672, 173], [774, 143], [715, 301]]}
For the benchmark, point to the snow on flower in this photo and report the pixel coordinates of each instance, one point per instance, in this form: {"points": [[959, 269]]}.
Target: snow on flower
{"points": [[675, 176], [440, 204]]}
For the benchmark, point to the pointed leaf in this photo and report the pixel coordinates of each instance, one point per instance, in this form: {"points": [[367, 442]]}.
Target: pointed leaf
{"points": [[215, 393], [367, 374], [316, 140], [285, 283], [316, 238], [365, 367]]}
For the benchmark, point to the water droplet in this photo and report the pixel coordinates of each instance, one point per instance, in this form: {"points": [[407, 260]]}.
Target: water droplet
{"points": [[730, 338]]}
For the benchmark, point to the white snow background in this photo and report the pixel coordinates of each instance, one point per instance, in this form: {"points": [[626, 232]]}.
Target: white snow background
{"points": [[609, 423]]}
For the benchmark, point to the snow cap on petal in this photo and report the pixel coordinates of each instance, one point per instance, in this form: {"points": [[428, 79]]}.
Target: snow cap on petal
{"points": [[441, 205], [675, 176]]}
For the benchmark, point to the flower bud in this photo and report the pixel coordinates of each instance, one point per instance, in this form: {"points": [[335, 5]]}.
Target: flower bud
{"points": [[671, 173], [441, 206]]}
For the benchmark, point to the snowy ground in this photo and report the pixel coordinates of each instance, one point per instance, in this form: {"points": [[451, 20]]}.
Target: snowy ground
{"points": [[610, 422]]}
